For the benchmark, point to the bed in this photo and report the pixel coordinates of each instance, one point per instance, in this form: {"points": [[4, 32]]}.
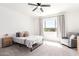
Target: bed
{"points": [[29, 41]]}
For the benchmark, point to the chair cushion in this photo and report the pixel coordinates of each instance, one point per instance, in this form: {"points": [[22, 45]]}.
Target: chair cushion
{"points": [[71, 33], [72, 36]]}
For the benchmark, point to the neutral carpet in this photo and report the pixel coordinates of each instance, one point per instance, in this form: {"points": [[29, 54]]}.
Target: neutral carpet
{"points": [[46, 49]]}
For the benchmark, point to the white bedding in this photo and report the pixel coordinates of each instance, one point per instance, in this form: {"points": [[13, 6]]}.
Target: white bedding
{"points": [[29, 41]]}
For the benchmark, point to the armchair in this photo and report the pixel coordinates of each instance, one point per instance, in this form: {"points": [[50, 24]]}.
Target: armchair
{"points": [[70, 40]]}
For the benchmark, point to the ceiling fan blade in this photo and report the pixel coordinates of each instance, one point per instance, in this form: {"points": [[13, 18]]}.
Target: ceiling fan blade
{"points": [[32, 4], [45, 5], [35, 8], [41, 9]]}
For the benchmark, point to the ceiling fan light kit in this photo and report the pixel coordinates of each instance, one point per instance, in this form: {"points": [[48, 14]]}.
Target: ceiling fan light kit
{"points": [[39, 5]]}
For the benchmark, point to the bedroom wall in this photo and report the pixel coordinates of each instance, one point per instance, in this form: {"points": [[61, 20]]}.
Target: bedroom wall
{"points": [[36, 26], [72, 21], [12, 21]]}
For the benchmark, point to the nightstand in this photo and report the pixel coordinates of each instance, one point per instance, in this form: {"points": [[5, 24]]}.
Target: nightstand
{"points": [[7, 41]]}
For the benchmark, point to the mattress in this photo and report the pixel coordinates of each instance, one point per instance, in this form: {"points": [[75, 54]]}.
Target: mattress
{"points": [[19, 40]]}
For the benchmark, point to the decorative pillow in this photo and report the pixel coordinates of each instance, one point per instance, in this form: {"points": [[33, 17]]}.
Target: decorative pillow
{"points": [[18, 34], [24, 34], [21, 34], [72, 37]]}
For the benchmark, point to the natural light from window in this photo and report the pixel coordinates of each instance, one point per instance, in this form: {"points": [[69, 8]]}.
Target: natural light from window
{"points": [[53, 44]]}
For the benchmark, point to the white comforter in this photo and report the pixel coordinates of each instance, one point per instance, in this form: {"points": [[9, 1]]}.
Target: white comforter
{"points": [[29, 41]]}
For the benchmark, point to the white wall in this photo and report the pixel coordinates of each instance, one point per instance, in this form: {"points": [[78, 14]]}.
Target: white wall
{"points": [[12, 21], [36, 26], [72, 21]]}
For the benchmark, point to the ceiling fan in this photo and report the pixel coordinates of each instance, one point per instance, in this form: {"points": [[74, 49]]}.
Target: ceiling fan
{"points": [[39, 5]]}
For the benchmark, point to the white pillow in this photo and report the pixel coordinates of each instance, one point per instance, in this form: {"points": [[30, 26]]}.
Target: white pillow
{"points": [[72, 37]]}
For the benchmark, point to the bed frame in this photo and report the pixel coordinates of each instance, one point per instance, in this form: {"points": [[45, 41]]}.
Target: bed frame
{"points": [[25, 34]]}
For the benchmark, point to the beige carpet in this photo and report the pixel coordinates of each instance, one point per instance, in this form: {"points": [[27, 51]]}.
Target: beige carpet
{"points": [[46, 49]]}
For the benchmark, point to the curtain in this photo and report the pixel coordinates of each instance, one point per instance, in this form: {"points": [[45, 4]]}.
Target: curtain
{"points": [[60, 26], [41, 26]]}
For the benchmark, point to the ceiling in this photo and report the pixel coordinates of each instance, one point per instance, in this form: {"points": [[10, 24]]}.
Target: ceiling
{"points": [[24, 8]]}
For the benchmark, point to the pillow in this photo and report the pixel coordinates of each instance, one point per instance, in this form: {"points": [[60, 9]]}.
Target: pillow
{"points": [[72, 37], [24, 34], [21, 34], [18, 34]]}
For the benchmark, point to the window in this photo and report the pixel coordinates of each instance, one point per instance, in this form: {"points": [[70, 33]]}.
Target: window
{"points": [[50, 24]]}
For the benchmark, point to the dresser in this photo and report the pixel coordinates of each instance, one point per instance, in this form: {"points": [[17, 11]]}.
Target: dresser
{"points": [[7, 41]]}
